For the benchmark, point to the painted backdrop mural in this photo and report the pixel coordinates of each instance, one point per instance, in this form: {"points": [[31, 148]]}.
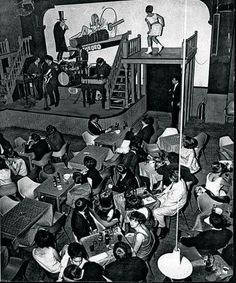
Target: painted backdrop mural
{"points": [[83, 19]]}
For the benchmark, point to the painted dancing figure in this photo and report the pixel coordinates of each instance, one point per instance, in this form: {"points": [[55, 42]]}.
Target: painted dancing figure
{"points": [[155, 24]]}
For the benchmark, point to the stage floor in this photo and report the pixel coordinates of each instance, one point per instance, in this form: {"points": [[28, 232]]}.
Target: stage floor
{"points": [[66, 107]]}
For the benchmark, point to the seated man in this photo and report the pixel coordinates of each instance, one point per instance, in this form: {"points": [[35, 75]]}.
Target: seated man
{"points": [[126, 267], [147, 130], [94, 127], [210, 240], [54, 138], [173, 197], [82, 223]]}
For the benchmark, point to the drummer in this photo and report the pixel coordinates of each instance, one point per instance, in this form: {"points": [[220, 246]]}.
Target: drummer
{"points": [[81, 57]]}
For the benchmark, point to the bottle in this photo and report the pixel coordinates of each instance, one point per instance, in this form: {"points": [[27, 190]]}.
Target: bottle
{"points": [[214, 208], [107, 238], [124, 125], [54, 181], [58, 179]]}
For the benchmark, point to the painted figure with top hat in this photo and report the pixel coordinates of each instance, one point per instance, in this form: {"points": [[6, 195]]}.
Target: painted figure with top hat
{"points": [[59, 35]]}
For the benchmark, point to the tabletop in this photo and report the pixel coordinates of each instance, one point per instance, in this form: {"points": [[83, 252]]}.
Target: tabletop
{"points": [[147, 169], [169, 143], [101, 154], [111, 139], [47, 186], [23, 216], [96, 248]]}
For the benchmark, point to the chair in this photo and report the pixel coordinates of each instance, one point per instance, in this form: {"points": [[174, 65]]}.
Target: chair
{"points": [[44, 160], [19, 142], [88, 138], [58, 224], [6, 204], [225, 140], [181, 212], [8, 189], [202, 140], [169, 132], [10, 266], [229, 111], [124, 148], [102, 224], [26, 187], [108, 173], [61, 152]]}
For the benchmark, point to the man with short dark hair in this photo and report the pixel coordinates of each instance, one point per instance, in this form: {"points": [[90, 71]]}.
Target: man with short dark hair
{"points": [[35, 73], [81, 57], [175, 92], [126, 267]]}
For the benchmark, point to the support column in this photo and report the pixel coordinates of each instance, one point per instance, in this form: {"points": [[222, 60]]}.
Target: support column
{"points": [[133, 83], [126, 86]]}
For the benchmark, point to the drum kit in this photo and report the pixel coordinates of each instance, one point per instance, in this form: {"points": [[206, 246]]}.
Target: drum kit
{"points": [[70, 73]]}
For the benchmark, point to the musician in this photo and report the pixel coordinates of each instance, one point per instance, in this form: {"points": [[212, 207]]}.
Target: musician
{"points": [[81, 57], [102, 71], [50, 71], [35, 73], [59, 35]]}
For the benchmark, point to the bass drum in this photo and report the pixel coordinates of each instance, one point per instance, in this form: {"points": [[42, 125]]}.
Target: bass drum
{"points": [[65, 79]]}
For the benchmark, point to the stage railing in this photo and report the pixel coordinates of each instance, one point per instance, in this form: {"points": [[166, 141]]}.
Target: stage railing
{"points": [[17, 65]]}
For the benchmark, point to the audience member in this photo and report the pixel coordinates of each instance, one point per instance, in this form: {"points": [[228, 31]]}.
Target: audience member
{"points": [[37, 146], [188, 155], [72, 254], [173, 197], [93, 272], [5, 146], [82, 223], [54, 138], [45, 254], [143, 240], [5, 173], [93, 176], [147, 130], [126, 180], [94, 127], [228, 254], [17, 166], [131, 159], [210, 240], [126, 267], [72, 273]]}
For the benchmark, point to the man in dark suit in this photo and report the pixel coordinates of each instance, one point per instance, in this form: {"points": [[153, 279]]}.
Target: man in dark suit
{"points": [[147, 129], [82, 223], [81, 57], [35, 73], [94, 127], [59, 35], [175, 92]]}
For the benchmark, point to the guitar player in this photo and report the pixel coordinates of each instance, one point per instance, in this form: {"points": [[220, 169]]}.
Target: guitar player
{"points": [[35, 73], [50, 72]]}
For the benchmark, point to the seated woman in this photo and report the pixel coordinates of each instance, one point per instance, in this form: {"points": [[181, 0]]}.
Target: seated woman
{"points": [[188, 155], [80, 189], [17, 166], [173, 197], [135, 203], [218, 180], [5, 180], [104, 206], [93, 176], [213, 239], [74, 253], [93, 126], [126, 180], [143, 240], [147, 130], [45, 254]]}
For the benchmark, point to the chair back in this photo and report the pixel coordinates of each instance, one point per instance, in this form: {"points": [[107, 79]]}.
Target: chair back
{"points": [[61, 152], [124, 148], [99, 225], [8, 189], [26, 187], [169, 132], [225, 140], [59, 221], [43, 161], [202, 141], [6, 204], [88, 138]]}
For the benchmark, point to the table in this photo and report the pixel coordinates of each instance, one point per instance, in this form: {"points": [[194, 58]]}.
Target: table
{"points": [[97, 250], [56, 196], [101, 154], [169, 143], [21, 223], [147, 169], [111, 139]]}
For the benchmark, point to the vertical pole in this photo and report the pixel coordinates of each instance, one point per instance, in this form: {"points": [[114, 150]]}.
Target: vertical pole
{"points": [[139, 81], [133, 83], [126, 86]]}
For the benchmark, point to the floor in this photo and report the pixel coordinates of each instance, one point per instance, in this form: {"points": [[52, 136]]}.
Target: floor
{"points": [[166, 245]]}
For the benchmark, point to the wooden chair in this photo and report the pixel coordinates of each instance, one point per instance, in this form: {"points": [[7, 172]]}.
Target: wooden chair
{"points": [[26, 187], [88, 138], [10, 266], [6, 204], [202, 140]]}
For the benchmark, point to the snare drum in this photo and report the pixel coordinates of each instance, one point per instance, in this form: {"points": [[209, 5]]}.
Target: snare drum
{"points": [[66, 79]]}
